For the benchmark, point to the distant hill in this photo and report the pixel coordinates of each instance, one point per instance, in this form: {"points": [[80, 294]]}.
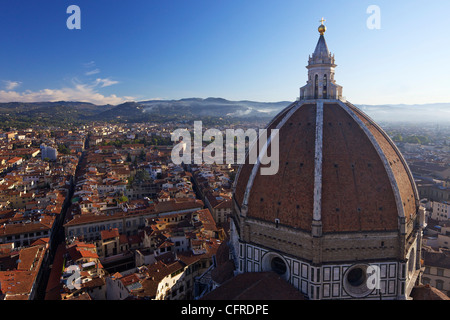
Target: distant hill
{"points": [[64, 112], [438, 112], [22, 115], [416, 113], [217, 107]]}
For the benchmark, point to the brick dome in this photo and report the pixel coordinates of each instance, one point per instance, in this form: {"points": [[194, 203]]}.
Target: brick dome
{"points": [[337, 166]]}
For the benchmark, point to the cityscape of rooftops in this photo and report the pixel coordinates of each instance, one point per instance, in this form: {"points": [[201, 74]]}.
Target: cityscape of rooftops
{"points": [[212, 151]]}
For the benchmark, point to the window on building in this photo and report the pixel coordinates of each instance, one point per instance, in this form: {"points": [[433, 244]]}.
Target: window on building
{"points": [[411, 262], [316, 87], [278, 266], [356, 277]]}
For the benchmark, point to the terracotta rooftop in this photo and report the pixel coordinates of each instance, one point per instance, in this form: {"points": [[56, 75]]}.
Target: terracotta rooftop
{"points": [[436, 259], [427, 292], [109, 234], [207, 220], [17, 284], [156, 272], [255, 286], [54, 286], [21, 228], [162, 207]]}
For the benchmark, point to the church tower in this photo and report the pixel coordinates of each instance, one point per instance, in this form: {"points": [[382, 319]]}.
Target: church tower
{"points": [[342, 205], [321, 69]]}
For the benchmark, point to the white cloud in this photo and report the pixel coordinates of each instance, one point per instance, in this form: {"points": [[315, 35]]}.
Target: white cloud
{"points": [[80, 92], [90, 68], [105, 82], [92, 72], [11, 85], [89, 64]]}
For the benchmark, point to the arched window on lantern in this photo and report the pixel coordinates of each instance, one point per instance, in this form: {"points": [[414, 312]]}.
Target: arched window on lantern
{"points": [[324, 92], [316, 87]]}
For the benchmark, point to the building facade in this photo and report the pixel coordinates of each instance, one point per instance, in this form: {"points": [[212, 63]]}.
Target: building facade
{"points": [[89, 226], [440, 211], [437, 269]]}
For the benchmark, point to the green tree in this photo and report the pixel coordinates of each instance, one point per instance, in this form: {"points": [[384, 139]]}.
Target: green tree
{"points": [[142, 156], [397, 138], [142, 175], [130, 181], [62, 148], [122, 199]]}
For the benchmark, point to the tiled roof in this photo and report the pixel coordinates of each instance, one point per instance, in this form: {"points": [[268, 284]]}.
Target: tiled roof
{"points": [[17, 284], [156, 272], [28, 258], [21, 228], [160, 208], [109, 234], [357, 189], [255, 286], [207, 220], [436, 259], [52, 292], [427, 292]]}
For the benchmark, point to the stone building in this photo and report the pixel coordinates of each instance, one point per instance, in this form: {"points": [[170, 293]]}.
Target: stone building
{"points": [[437, 269], [345, 202]]}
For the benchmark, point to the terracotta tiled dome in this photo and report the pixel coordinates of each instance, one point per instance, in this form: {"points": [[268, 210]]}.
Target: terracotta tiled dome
{"points": [[365, 182]]}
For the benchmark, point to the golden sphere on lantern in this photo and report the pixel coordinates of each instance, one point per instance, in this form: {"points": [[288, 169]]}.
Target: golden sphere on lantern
{"points": [[322, 28]]}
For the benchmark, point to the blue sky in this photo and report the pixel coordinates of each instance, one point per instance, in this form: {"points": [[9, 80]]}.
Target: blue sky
{"points": [[234, 49]]}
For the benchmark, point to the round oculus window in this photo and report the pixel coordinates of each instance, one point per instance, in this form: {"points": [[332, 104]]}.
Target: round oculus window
{"points": [[278, 266], [356, 277], [355, 281]]}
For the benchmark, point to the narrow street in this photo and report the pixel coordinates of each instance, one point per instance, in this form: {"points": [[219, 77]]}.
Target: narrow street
{"points": [[56, 239]]}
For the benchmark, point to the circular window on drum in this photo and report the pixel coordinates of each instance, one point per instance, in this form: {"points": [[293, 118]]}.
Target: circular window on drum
{"points": [[274, 262], [355, 281], [278, 266]]}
